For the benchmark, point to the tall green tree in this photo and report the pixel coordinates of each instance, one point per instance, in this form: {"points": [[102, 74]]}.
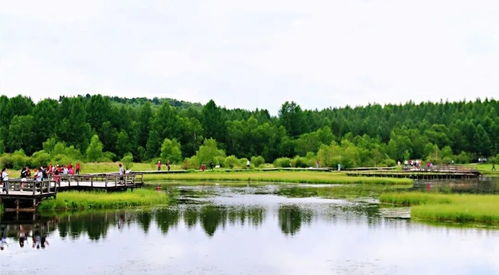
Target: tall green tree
{"points": [[292, 118], [213, 122], [21, 134], [170, 151], [94, 151]]}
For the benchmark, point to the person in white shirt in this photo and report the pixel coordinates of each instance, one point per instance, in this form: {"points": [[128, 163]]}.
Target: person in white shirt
{"points": [[5, 180], [122, 172], [39, 176]]}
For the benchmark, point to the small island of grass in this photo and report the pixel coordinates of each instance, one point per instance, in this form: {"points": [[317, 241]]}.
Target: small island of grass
{"points": [[462, 208], [75, 200], [275, 176]]}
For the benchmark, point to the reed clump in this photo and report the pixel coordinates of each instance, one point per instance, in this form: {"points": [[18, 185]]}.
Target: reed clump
{"points": [[75, 200], [461, 208]]}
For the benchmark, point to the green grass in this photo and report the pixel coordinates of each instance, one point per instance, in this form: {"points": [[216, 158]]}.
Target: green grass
{"points": [[107, 167], [461, 208], [75, 200], [276, 176], [484, 168]]}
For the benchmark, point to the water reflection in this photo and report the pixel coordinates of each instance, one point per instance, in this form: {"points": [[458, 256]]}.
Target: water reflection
{"points": [[291, 218], [24, 229], [96, 224]]}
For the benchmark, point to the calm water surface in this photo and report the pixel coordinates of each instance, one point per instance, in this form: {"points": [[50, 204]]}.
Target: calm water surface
{"points": [[245, 230]]}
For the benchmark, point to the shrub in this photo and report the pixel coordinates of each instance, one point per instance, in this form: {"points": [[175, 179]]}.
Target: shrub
{"points": [[299, 162], [231, 161], [127, 160], [389, 162], [40, 158], [257, 161], [6, 161], [191, 163], [19, 159], [242, 162], [463, 157], [282, 162]]}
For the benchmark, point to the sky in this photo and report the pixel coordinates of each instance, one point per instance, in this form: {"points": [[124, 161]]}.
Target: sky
{"points": [[253, 54]]}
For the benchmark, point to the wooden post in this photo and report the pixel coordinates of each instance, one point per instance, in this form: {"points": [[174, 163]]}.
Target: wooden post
{"points": [[17, 205], [105, 182], [92, 181], [34, 187]]}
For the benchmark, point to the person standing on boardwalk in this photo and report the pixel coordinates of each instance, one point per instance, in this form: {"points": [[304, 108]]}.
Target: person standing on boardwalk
{"points": [[168, 165], [39, 175], [159, 165], [121, 172], [5, 180], [78, 167]]}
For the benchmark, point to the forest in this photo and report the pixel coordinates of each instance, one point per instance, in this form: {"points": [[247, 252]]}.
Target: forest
{"points": [[101, 128]]}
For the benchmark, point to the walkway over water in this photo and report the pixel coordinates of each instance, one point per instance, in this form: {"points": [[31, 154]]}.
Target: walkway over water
{"points": [[434, 172], [26, 195]]}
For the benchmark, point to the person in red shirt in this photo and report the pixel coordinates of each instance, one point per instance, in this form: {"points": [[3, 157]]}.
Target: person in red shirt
{"points": [[78, 168]]}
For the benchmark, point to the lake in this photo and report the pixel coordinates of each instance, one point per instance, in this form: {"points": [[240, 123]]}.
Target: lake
{"points": [[245, 230]]}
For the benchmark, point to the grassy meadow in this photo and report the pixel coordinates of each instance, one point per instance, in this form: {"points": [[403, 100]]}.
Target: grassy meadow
{"points": [[275, 176], [484, 168], [74, 200], [461, 208]]}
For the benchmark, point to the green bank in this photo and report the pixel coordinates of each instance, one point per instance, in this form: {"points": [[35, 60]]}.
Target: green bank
{"points": [[74, 200], [461, 208], [272, 176]]}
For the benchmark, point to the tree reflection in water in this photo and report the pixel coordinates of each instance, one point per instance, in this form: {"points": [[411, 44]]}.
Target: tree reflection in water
{"points": [[291, 218], [96, 224]]}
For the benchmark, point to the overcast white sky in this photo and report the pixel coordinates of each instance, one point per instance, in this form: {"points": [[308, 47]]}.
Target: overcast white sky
{"points": [[253, 54]]}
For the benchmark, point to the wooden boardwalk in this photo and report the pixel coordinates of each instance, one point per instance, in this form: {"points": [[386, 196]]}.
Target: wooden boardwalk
{"points": [[25, 195], [436, 172]]}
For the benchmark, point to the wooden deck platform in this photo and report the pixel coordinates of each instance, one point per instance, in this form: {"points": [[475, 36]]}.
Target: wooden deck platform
{"points": [[25, 195]]}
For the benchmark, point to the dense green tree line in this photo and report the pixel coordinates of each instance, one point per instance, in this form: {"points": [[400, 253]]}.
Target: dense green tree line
{"points": [[368, 135]]}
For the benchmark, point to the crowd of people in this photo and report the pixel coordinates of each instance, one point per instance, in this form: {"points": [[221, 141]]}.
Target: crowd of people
{"points": [[42, 173]]}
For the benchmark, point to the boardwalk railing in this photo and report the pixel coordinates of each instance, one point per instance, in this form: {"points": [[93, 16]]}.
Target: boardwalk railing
{"points": [[33, 187]]}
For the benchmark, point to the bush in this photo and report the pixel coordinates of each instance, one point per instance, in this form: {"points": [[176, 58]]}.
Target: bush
{"points": [[282, 162], [19, 159], [242, 162], [127, 160], [40, 158], [463, 157], [299, 162], [190, 163], [108, 156], [389, 162], [6, 161], [231, 161], [257, 161]]}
